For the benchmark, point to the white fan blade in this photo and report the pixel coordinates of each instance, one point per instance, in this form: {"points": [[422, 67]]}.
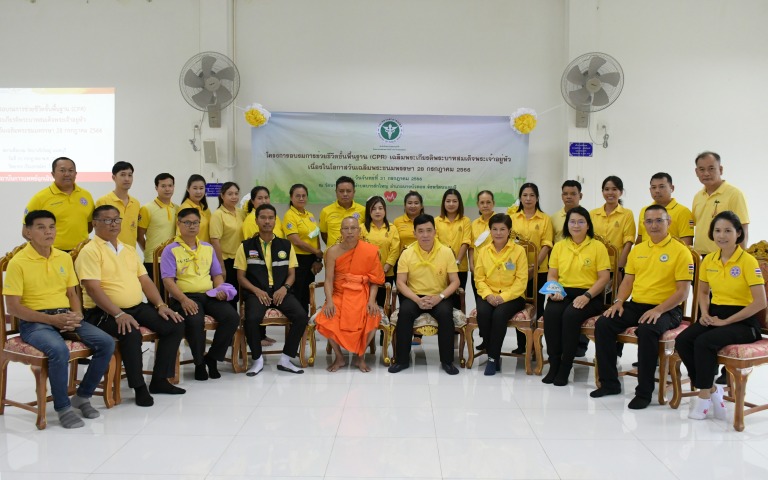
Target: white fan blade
{"points": [[226, 73], [207, 63], [579, 97], [594, 65], [600, 98], [575, 76], [611, 78], [203, 98], [191, 79], [223, 96]]}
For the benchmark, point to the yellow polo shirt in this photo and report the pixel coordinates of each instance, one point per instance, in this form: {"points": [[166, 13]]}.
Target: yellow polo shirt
{"points": [[558, 220], [730, 283], [332, 215], [242, 259], [159, 220], [618, 227], [681, 221], [388, 242], [502, 273], [657, 267], [227, 227], [480, 227], [578, 265], [117, 270], [705, 207], [250, 228], [205, 219], [455, 234], [129, 213], [40, 282], [537, 229], [73, 212], [193, 268], [405, 230], [427, 272], [303, 225]]}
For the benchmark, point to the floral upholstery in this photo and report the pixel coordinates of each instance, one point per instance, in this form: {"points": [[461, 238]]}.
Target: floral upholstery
{"points": [[209, 320], [384, 319], [525, 315], [145, 331], [668, 336], [590, 323], [17, 345], [425, 319], [274, 313], [746, 351]]}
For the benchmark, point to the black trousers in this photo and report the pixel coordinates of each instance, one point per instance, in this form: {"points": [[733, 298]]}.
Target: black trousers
{"points": [[194, 326], [698, 344], [254, 314], [304, 277], [409, 312], [648, 334], [455, 299], [169, 333], [493, 322], [562, 323], [230, 276]]}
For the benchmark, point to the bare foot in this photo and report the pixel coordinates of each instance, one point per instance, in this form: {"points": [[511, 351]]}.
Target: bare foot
{"points": [[362, 365], [339, 363], [271, 340], [265, 343]]}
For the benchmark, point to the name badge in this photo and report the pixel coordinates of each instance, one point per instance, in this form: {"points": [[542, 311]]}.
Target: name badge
{"points": [[509, 266]]}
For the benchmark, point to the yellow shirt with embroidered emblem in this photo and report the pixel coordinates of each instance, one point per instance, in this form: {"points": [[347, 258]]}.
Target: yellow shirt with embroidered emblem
{"points": [[681, 221], [193, 268], [388, 242], [427, 271], [250, 228], [303, 225], [128, 212], [243, 258], [502, 273], [578, 264], [332, 215], [205, 219], [405, 230], [618, 227], [40, 282], [657, 267], [227, 227], [159, 220], [558, 221], [537, 229], [705, 207], [73, 212], [730, 283], [479, 227], [118, 271], [454, 234]]}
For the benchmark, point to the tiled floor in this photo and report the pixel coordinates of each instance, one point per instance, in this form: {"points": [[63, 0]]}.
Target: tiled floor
{"points": [[420, 423]]}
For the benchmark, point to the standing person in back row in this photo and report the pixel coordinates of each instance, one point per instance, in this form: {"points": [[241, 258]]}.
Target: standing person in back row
{"points": [[682, 219], [344, 206], [157, 220], [570, 193], [72, 205], [128, 206]]}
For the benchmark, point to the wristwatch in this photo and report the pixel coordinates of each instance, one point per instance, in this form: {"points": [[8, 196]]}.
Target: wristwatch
{"points": [[442, 297], [588, 295], [287, 286]]}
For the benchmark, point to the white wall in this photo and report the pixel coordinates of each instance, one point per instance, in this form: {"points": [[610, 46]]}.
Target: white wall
{"points": [[694, 71]]}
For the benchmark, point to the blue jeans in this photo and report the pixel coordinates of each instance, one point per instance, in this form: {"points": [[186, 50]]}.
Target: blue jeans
{"points": [[48, 340]]}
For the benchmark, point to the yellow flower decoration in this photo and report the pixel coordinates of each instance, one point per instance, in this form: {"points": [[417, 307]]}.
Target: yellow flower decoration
{"points": [[523, 121], [256, 115]]}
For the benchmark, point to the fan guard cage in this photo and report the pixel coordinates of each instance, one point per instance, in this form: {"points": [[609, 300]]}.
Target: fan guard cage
{"points": [[209, 78], [607, 68]]}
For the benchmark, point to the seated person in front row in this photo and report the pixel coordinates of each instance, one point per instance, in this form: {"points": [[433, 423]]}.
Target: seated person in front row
{"points": [[266, 269], [114, 279], [192, 276], [40, 291], [350, 315], [427, 275], [658, 275]]}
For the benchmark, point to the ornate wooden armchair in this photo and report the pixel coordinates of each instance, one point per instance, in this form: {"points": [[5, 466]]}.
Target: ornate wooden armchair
{"points": [[739, 360]]}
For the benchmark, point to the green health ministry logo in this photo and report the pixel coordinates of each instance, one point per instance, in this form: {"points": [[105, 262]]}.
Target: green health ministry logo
{"points": [[390, 130]]}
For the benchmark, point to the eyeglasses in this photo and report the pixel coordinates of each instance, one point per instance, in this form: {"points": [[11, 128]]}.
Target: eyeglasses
{"points": [[579, 223], [109, 221], [349, 229], [190, 224], [656, 221]]}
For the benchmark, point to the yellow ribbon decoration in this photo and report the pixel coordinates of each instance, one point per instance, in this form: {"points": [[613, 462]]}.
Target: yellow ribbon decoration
{"points": [[192, 253], [428, 262]]}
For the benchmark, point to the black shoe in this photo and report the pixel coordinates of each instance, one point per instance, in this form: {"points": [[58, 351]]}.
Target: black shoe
{"points": [[639, 403], [450, 368], [481, 346], [164, 386], [549, 378], [212, 364], [490, 368], [561, 380], [289, 370], [519, 350], [581, 352], [397, 367], [143, 398], [498, 365], [722, 379], [604, 391], [201, 373]]}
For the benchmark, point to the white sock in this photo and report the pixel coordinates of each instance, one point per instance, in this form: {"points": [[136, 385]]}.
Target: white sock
{"points": [[718, 404], [258, 365], [285, 361], [700, 407]]}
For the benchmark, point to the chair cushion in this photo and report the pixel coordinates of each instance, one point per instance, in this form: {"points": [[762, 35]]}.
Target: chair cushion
{"points": [[384, 318], [459, 319], [273, 313], [145, 331], [525, 315], [667, 336], [209, 320], [590, 322], [17, 345], [746, 351]]}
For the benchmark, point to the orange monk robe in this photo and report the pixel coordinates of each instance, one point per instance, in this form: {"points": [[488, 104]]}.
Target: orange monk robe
{"points": [[354, 273]]}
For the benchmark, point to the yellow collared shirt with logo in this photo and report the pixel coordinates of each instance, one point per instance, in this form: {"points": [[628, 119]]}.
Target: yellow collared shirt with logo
{"points": [[681, 221], [40, 282], [427, 272], [118, 271], [193, 268], [537, 229], [730, 283], [304, 225], [405, 230], [73, 212], [502, 273], [454, 234], [578, 265], [159, 221], [657, 268], [618, 228], [479, 227], [129, 213], [227, 227], [706, 207], [332, 215], [388, 242], [250, 228]]}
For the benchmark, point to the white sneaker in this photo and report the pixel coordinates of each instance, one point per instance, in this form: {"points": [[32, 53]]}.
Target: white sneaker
{"points": [[700, 408], [718, 404]]}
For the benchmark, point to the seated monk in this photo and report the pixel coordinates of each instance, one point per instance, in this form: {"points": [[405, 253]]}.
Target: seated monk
{"points": [[350, 315]]}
